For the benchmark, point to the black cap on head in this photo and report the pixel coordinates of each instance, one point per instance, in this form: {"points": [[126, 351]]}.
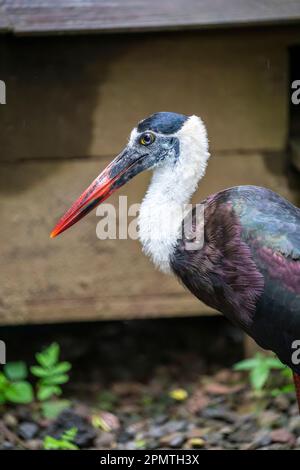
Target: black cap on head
{"points": [[163, 123]]}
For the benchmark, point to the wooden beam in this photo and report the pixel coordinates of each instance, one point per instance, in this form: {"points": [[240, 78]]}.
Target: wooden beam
{"points": [[50, 16], [4, 19], [86, 94]]}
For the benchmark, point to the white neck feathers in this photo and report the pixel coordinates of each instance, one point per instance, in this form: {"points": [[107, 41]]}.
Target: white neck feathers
{"points": [[171, 188]]}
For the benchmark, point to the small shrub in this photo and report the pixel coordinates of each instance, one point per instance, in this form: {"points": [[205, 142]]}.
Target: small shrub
{"points": [[51, 372], [66, 441], [260, 368], [14, 387]]}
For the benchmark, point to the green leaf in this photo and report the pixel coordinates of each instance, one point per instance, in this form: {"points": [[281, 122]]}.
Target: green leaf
{"points": [[42, 360], [247, 364], [49, 356], [3, 381], [259, 376], [275, 392], [70, 434], [64, 443], [58, 444], [43, 372], [47, 391], [274, 363], [50, 443], [287, 372], [2, 398], [51, 409], [19, 392], [289, 388], [16, 370], [140, 444], [56, 379], [280, 391], [61, 368], [39, 371], [50, 372]]}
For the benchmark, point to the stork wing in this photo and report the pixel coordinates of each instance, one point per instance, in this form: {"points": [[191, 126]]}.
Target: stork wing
{"points": [[271, 228]]}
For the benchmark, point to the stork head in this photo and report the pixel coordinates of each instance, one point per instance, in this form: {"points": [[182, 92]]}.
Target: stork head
{"points": [[162, 140]]}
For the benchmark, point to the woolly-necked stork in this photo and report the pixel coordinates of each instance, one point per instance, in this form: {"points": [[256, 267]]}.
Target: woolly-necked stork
{"points": [[248, 266]]}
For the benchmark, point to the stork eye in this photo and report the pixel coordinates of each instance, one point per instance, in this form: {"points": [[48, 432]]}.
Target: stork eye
{"points": [[147, 139]]}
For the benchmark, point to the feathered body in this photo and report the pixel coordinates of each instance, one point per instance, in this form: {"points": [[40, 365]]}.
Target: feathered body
{"points": [[249, 265]]}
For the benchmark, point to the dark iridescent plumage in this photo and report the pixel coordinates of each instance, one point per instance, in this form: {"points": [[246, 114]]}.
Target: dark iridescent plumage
{"points": [[249, 266]]}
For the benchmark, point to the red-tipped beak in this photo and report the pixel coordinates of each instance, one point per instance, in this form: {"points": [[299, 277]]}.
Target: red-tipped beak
{"points": [[117, 173], [97, 192]]}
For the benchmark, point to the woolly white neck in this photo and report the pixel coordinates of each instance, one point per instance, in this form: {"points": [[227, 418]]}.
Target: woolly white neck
{"points": [[171, 187]]}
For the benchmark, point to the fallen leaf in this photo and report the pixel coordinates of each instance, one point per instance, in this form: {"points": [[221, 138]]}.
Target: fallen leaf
{"points": [[197, 432], [106, 421], [179, 394], [215, 388], [282, 436], [197, 402], [195, 442]]}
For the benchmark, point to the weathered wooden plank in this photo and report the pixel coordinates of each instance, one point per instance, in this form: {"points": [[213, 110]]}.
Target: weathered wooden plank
{"points": [[78, 277], [80, 97], [4, 20], [29, 16]]}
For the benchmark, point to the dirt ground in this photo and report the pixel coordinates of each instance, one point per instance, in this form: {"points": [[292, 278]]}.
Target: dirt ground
{"points": [[149, 385]]}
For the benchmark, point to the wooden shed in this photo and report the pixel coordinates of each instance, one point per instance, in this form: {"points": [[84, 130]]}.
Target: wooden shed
{"points": [[72, 98]]}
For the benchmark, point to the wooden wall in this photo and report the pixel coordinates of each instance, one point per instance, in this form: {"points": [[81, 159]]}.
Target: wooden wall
{"points": [[71, 103]]}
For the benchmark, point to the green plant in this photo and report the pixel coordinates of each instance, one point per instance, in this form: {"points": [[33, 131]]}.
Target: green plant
{"points": [[288, 387], [14, 387], [140, 444], [52, 408], [50, 372], [66, 441], [260, 367]]}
